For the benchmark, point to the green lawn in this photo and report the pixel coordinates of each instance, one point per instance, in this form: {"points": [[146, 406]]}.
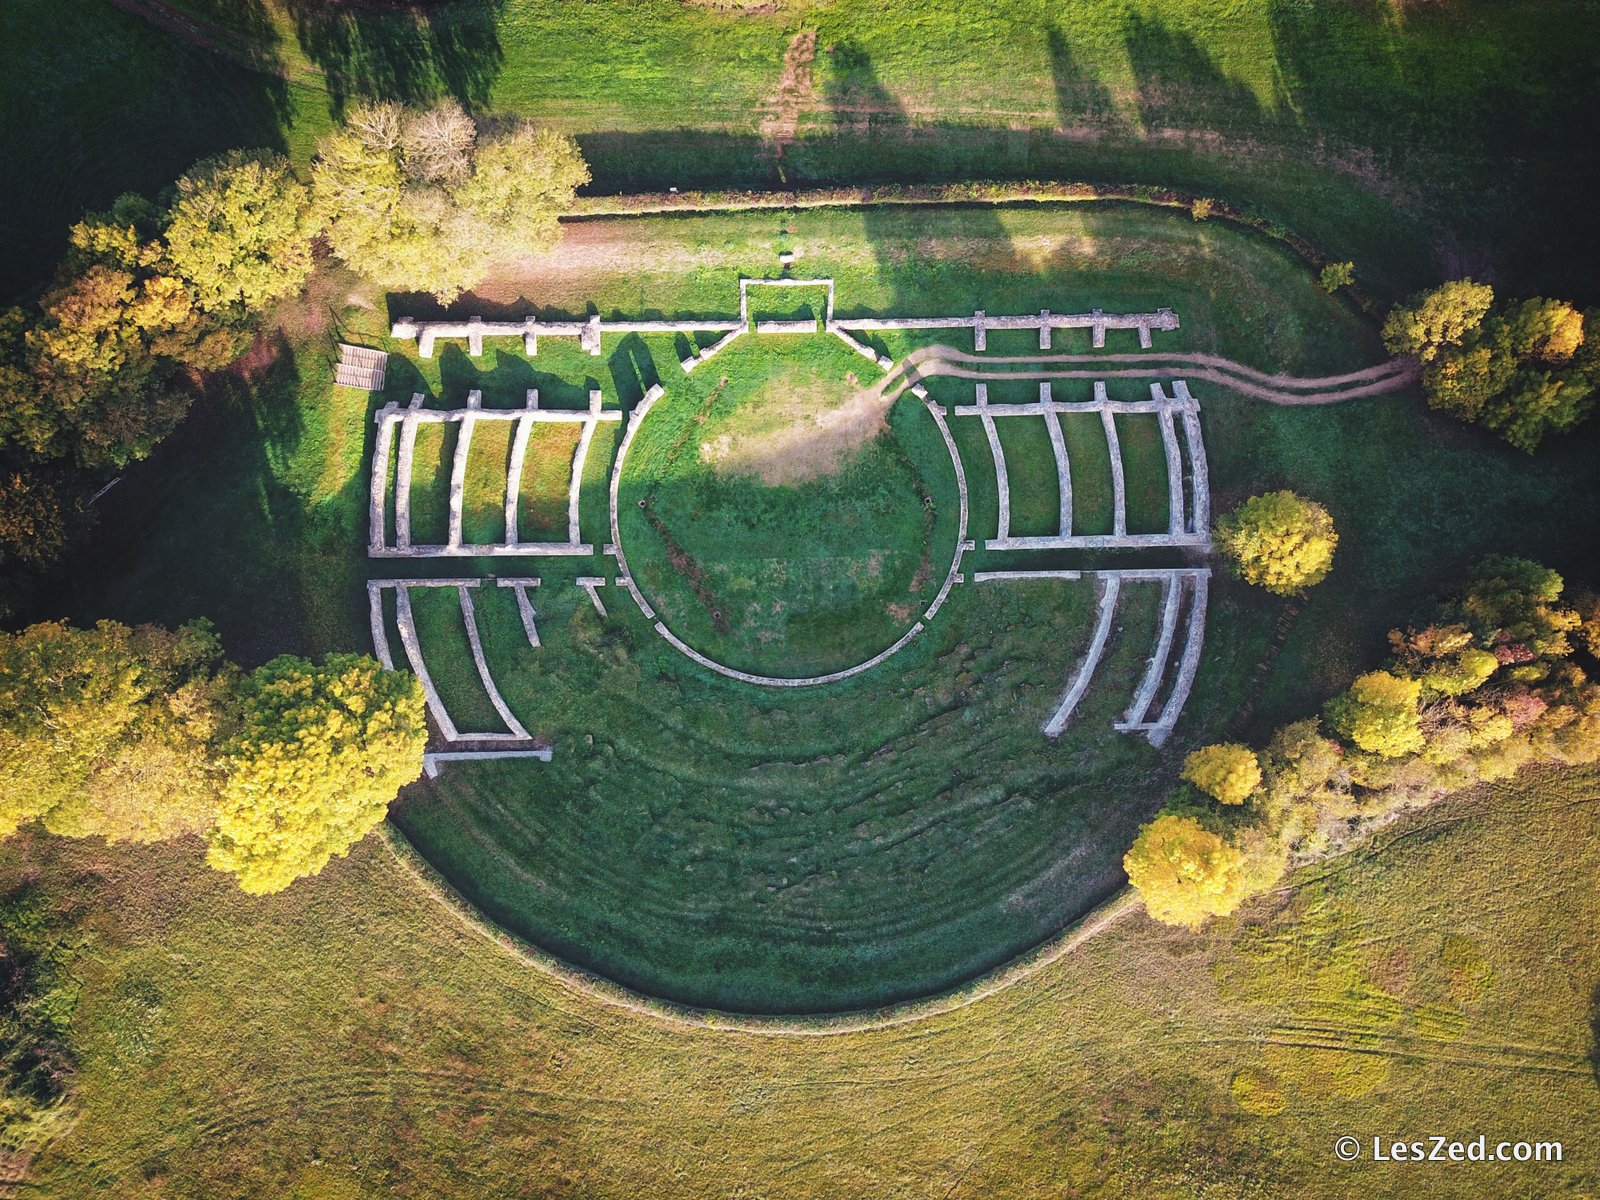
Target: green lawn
{"points": [[905, 830], [1414, 140], [348, 1040]]}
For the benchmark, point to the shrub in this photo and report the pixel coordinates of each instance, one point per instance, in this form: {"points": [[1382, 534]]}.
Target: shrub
{"points": [[1279, 541], [1336, 275], [1200, 208]]}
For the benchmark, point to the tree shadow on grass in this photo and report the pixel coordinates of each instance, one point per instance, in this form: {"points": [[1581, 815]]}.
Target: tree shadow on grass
{"points": [[409, 52], [228, 520]]}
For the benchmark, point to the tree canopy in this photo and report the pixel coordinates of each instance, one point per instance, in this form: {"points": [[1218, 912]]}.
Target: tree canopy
{"points": [[107, 731], [419, 201], [1279, 541], [1184, 872], [239, 233], [1227, 772], [1524, 372], [1379, 714], [320, 751]]}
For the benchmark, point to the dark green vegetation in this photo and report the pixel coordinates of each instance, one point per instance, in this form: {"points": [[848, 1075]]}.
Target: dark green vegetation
{"points": [[38, 994], [1402, 137], [889, 837], [779, 518]]}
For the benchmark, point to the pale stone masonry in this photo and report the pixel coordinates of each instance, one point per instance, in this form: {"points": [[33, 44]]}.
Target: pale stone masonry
{"points": [[467, 418]]}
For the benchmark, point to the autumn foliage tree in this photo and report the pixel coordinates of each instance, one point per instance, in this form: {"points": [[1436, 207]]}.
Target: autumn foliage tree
{"points": [[147, 734], [1279, 541], [1472, 696], [108, 731], [1525, 371], [425, 201], [320, 751], [1227, 772], [1184, 872]]}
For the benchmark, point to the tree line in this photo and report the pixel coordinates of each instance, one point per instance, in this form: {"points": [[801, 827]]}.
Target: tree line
{"points": [[153, 297], [148, 734], [1486, 687]]}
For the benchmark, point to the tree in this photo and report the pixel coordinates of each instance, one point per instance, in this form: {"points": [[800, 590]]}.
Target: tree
{"points": [[416, 201], [239, 233], [1337, 275], [1587, 605], [1228, 772], [36, 518], [106, 731], [1379, 714], [1184, 872], [1513, 607], [1444, 658], [1524, 372], [320, 752], [522, 180], [1432, 320], [1279, 541], [436, 143]]}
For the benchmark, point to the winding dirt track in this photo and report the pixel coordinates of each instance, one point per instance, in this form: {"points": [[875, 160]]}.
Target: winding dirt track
{"points": [[1388, 376]]}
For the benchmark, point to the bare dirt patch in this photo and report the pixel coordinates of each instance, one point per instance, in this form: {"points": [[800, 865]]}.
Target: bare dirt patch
{"points": [[794, 94], [801, 433]]}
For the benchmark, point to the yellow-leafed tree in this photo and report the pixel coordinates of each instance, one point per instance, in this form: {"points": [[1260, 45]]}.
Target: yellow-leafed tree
{"points": [[1227, 772], [1184, 872], [320, 752], [1279, 541], [1379, 714]]}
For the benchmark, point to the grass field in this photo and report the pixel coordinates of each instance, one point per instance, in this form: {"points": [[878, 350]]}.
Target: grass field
{"points": [[349, 1040], [794, 853], [1416, 139], [780, 516]]}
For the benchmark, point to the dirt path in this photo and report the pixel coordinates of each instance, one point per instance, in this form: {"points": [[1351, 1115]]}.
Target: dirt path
{"points": [[1388, 376], [795, 89]]}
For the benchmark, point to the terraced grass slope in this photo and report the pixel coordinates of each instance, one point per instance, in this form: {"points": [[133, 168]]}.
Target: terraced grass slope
{"points": [[349, 1039]]}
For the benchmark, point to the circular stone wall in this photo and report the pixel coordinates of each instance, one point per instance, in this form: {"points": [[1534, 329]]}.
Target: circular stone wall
{"points": [[781, 515]]}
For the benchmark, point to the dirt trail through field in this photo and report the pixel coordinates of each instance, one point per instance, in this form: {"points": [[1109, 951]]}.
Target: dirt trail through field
{"points": [[795, 89], [1393, 375]]}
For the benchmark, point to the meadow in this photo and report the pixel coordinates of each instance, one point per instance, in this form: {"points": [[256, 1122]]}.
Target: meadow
{"points": [[809, 852], [353, 1038]]}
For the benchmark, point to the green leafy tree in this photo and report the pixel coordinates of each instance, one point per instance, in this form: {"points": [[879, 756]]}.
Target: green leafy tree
{"points": [[1228, 772], [107, 731], [1184, 872], [1513, 606], [1523, 373], [320, 752], [239, 233], [522, 180], [1279, 541], [1379, 714], [1432, 320], [417, 201]]}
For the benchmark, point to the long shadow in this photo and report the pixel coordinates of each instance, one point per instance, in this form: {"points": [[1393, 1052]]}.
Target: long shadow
{"points": [[213, 526], [86, 85], [410, 52]]}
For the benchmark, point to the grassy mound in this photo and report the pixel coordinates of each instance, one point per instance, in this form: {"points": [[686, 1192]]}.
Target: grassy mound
{"points": [[780, 517]]}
